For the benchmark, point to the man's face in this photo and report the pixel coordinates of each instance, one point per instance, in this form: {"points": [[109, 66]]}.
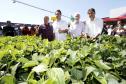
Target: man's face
{"points": [[58, 15], [77, 17], [119, 22], [46, 19], [91, 14]]}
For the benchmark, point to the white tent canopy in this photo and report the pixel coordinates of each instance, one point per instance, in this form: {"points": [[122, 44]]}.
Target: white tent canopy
{"points": [[118, 12]]}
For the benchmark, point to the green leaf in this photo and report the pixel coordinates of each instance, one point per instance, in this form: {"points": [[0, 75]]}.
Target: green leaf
{"points": [[46, 60], [45, 42], [23, 60], [87, 71], [14, 68], [2, 53], [32, 81], [77, 82], [50, 81], [62, 59], [85, 50], [41, 81], [8, 79], [67, 75], [101, 65], [73, 58], [111, 79], [51, 60], [30, 75], [97, 72], [40, 68], [102, 80], [30, 64], [56, 74], [123, 53], [76, 74], [35, 57], [22, 83]]}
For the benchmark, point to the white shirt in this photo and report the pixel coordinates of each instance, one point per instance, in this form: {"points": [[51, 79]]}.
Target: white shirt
{"points": [[93, 28], [109, 31], [76, 29], [124, 26], [60, 25]]}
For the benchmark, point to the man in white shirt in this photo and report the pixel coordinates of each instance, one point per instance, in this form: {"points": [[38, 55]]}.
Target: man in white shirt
{"points": [[119, 24], [94, 25], [76, 27], [109, 30], [60, 27]]}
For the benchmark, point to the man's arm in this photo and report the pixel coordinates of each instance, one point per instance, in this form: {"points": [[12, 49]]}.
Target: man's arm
{"points": [[63, 31], [100, 28], [85, 31]]}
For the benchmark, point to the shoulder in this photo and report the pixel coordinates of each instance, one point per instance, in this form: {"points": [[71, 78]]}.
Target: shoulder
{"points": [[54, 23], [51, 24], [72, 23], [82, 22], [63, 21], [41, 26], [87, 20]]}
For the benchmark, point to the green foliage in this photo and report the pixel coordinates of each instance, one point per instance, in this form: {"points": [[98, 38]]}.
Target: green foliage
{"points": [[8, 79], [30, 60]]}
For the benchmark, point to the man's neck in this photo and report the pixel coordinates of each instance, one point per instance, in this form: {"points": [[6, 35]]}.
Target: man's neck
{"points": [[76, 21], [46, 24], [92, 19]]}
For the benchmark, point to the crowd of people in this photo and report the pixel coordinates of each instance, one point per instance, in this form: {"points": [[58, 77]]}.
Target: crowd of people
{"points": [[18, 29], [116, 30], [91, 28]]}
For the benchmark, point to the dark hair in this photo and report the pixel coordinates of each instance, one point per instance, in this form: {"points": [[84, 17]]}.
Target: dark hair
{"points": [[91, 9], [59, 11], [46, 17], [8, 21]]}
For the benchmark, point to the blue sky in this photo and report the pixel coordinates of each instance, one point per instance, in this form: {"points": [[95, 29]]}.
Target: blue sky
{"points": [[23, 14]]}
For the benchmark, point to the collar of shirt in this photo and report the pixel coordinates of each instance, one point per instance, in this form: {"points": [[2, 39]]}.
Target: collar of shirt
{"points": [[92, 20], [76, 28], [94, 27], [44, 26], [76, 22], [60, 21], [60, 25]]}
